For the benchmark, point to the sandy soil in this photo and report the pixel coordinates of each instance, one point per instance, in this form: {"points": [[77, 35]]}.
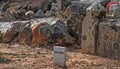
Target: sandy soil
{"points": [[25, 57]]}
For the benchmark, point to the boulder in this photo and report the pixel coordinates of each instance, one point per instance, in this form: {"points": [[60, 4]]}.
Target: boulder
{"points": [[9, 16], [30, 14], [39, 14], [25, 6], [4, 7], [45, 5], [21, 14], [54, 9], [17, 7], [48, 14], [25, 34], [109, 39], [60, 34], [11, 33], [37, 37], [89, 34], [32, 7], [74, 24]]}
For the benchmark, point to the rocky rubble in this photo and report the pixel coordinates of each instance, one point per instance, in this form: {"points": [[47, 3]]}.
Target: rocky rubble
{"points": [[13, 10]]}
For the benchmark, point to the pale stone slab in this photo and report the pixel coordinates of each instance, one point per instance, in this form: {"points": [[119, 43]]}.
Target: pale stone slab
{"points": [[60, 56]]}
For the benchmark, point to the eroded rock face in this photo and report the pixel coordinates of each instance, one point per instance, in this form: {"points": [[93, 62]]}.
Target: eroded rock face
{"points": [[89, 34], [109, 39], [37, 37], [96, 10], [21, 14], [74, 24], [11, 33], [9, 16], [25, 34], [33, 7], [4, 7], [39, 13], [45, 5]]}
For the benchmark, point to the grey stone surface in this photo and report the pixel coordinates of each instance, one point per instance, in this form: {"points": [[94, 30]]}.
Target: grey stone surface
{"points": [[18, 7], [9, 16], [39, 13], [60, 56], [4, 7]]}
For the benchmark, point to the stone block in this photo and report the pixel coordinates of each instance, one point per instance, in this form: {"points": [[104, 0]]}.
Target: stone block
{"points": [[89, 34], [60, 56], [109, 39]]}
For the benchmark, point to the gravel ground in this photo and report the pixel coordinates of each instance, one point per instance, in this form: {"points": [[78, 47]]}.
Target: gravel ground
{"points": [[25, 57]]}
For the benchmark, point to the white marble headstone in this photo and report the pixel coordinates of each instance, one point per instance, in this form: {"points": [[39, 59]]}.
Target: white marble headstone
{"points": [[60, 56]]}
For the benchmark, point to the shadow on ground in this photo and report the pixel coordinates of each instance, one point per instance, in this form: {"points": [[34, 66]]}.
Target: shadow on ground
{"points": [[4, 60]]}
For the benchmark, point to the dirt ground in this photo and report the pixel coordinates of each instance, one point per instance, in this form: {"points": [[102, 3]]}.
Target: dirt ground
{"points": [[26, 57]]}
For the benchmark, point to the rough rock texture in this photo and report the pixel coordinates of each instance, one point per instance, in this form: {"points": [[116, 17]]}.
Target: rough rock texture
{"points": [[60, 34], [45, 5], [11, 34], [89, 33], [9, 16], [74, 24], [15, 10], [109, 40], [4, 7], [25, 34], [38, 38], [39, 13], [33, 7], [67, 13]]}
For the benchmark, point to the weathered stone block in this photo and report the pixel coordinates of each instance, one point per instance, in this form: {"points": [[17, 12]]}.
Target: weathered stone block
{"points": [[89, 33], [109, 39]]}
